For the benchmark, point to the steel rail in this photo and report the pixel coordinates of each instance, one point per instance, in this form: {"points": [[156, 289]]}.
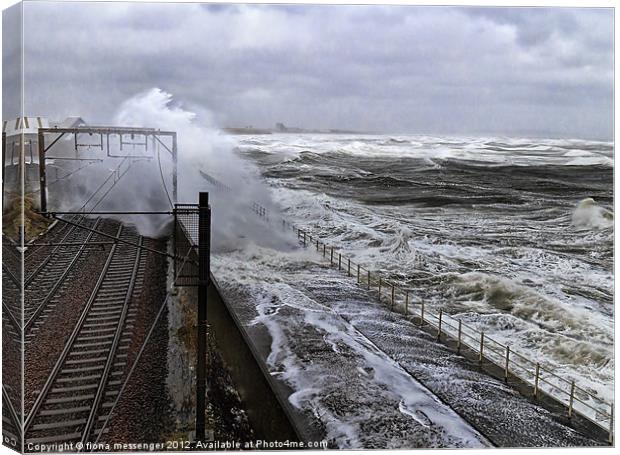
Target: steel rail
{"points": [[117, 239], [142, 348], [72, 243], [57, 284], [112, 353], [48, 258], [65, 352], [9, 404], [11, 317], [7, 310]]}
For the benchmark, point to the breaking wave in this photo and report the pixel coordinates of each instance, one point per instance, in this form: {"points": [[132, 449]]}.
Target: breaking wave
{"points": [[589, 214]]}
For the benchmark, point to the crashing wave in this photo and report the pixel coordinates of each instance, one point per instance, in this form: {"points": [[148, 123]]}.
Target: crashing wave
{"points": [[399, 242], [589, 214]]}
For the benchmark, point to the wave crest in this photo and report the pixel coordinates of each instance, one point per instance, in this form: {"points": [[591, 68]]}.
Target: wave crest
{"points": [[589, 215]]}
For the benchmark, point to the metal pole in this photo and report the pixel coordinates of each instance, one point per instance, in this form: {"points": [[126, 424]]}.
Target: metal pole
{"points": [[422, 314], [304, 238], [204, 244], [481, 347], [507, 362], [536, 379], [339, 260], [349, 268], [358, 274], [571, 399], [42, 182], [439, 325], [406, 303], [458, 340], [331, 258], [324, 248], [174, 168], [174, 240]]}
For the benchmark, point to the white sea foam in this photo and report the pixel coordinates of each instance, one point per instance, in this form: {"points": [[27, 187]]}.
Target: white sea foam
{"points": [[589, 214], [529, 274], [288, 313], [532, 292], [509, 151]]}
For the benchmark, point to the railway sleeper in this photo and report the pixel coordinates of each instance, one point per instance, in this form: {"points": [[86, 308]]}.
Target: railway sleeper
{"points": [[102, 330], [100, 313], [87, 369], [96, 339], [87, 345], [84, 378]]}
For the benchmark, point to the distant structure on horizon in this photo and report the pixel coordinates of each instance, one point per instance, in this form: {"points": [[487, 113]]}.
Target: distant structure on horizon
{"points": [[282, 128]]}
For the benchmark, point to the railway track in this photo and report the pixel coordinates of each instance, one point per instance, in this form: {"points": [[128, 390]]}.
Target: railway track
{"points": [[11, 301], [34, 268], [41, 290], [79, 392], [11, 423]]}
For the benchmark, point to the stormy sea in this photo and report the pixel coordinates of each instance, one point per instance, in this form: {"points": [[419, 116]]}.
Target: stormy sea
{"points": [[512, 235]]}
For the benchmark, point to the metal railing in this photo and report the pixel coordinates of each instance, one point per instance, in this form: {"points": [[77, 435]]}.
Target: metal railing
{"points": [[577, 400], [541, 378]]}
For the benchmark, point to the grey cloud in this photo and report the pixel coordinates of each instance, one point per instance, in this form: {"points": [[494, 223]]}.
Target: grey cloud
{"points": [[397, 69]]}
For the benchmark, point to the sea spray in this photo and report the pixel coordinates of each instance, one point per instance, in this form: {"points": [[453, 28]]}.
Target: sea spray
{"points": [[497, 235], [590, 215], [147, 185]]}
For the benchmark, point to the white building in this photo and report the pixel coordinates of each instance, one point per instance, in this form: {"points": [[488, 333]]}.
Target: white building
{"points": [[26, 129]]}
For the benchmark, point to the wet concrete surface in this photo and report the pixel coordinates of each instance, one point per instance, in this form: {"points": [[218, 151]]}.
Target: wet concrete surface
{"points": [[368, 378]]}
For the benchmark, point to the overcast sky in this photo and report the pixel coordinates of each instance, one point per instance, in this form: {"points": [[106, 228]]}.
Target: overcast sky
{"points": [[382, 68]]}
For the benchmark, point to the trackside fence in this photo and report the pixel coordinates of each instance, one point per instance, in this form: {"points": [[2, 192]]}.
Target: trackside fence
{"points": [[541, 378]]}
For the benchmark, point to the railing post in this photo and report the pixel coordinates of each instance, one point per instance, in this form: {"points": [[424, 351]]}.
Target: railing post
{"points": [[571, 399], [339, 261], [407, 303], [481, 347], [304, 238], [439, 325], [507, 362], [317, 244], [392, 309], [458, 340], [536, 379], [349, 268], [369, 280], [422, 314], [358, 274], [331, 258], [324, 248]]}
